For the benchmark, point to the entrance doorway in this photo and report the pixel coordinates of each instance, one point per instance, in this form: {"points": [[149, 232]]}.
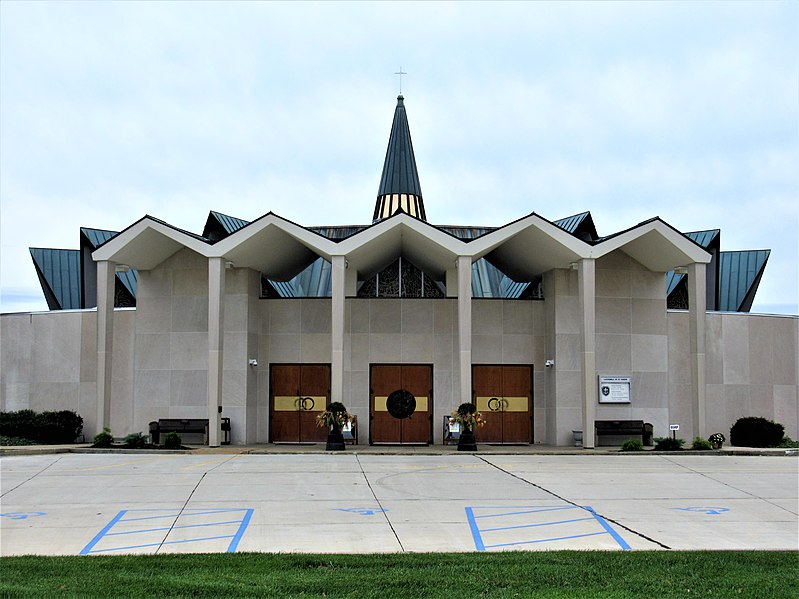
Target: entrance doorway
{"points": [[401, 404], [504, 395], [298, 394]]}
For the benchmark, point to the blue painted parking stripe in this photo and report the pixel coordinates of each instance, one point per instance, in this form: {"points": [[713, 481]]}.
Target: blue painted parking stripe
{"points": [[622, 543], [159, 544], [134, 532], [478, 539], [245, 522], [179, 513], [86, 550], [532, 511], [590, 534], [127, 516], [534, 525]]}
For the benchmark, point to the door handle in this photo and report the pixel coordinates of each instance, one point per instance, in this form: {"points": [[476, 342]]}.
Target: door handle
{"points": [[495, 404], [304, 403]]}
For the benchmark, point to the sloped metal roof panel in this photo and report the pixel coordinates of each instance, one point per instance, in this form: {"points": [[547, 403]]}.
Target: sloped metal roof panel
{"points": [[231, 224], [703, 238], [399, 169], [97, 237], [571, 223], [738, 273], [61, 271]]}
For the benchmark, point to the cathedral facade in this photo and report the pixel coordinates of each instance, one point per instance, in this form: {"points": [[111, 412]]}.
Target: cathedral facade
{"points": [[546, 326]]}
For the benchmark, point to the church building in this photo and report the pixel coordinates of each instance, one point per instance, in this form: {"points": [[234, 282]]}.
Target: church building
{"points": [[545, 325]]}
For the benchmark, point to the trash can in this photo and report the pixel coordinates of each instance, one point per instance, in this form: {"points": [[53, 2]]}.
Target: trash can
{"points": [[648, 430]]}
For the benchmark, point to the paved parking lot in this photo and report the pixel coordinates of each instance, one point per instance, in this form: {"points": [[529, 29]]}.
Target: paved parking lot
{"points": [[69, 504]]}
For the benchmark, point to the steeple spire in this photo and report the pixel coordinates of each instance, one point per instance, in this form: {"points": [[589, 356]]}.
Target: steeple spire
{"points": [[399, 185]]}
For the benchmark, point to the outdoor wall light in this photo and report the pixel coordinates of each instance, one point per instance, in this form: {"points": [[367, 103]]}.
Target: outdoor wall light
{"points": [[252, 362], [549, 363], [229, 264], [121, 268], [680, 270]]}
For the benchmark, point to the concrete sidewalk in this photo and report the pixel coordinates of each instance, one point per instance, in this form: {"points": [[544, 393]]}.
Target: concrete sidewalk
{"points": [[319, 448], [359, 502]]}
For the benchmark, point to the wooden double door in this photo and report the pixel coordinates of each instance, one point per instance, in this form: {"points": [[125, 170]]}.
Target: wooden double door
{"points": [[298, 394], [504, 396], [401, 404]]}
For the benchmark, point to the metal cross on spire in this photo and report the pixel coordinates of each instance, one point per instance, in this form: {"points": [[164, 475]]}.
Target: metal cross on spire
{"points": [[400, 73]]}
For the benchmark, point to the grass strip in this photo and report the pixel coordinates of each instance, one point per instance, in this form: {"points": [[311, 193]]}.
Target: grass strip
{"points": [[557, 574]]}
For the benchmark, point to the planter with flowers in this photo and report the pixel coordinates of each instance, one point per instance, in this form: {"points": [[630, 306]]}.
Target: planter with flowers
{"points": [[716, 440], [334, 418], [469, 419]]}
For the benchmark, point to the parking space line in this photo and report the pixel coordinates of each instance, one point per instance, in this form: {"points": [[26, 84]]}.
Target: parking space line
{"points": [[478, 532], [96, 545]]}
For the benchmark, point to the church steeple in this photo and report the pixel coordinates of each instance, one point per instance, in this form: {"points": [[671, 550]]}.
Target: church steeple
{"points": [[399, 184]]}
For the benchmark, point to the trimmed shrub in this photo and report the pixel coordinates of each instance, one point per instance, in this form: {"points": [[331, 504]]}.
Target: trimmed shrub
{"points": [[172, 440], [51, 428], [21, 424], [668, 444], [701, 444], [9, 441], [756, 432], [136, 440], [632, 445], [788, 443], [104, 439]]}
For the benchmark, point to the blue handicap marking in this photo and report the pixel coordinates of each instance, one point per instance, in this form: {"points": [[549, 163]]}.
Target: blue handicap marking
{"points": [[363, 511], [21, 515], [713, 511]]}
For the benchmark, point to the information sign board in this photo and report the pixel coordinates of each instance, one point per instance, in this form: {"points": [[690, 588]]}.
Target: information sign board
{"points": [[614, 389]]}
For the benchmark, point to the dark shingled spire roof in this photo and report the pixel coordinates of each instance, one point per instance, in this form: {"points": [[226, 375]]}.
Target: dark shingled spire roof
{"points": [[399, 184]]}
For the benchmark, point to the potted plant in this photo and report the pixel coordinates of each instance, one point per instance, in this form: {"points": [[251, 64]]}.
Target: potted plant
{"points": [[469, 419], [716, 440], [334, 417]]}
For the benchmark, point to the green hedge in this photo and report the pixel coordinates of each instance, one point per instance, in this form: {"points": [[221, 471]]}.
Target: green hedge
{"points": [[756, 432], [51, 428]]}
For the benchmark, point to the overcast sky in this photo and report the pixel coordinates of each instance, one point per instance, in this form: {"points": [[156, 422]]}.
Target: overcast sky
{"points": [[687, 111]]}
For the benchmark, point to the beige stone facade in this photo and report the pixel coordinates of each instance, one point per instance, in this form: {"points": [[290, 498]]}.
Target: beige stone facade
{"points": [[160, 352]]}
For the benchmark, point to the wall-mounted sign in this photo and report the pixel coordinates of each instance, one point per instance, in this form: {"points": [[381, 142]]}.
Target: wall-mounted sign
{"points": [[674, 427], [614, 389]]}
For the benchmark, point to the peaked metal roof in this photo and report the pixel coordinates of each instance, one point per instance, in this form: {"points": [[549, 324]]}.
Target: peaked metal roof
{"points": [[59, 273], [703, 238], [739, 277], [97, 237], [400, 175], [230, 224]]}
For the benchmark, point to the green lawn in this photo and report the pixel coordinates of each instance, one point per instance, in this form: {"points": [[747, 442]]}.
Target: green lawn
{"points": [[635, 574]]}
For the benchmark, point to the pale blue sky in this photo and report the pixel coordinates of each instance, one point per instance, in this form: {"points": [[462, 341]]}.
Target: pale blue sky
{"points": [[687, 111]]}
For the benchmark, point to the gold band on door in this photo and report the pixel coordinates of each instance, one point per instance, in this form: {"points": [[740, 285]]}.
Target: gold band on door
{"points": [[503, 404], [380, 404], [292, 403]]}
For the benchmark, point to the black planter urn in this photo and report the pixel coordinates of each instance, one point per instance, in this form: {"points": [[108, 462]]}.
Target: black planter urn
{"points": [[466, 441], [335, 440]]}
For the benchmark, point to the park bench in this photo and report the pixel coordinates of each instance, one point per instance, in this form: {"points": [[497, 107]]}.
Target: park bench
{"points": [[616, 432], [187, 426]]}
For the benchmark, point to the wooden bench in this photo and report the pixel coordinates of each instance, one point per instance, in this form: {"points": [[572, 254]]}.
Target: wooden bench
{"points": [[616, 432], [187, 426]]}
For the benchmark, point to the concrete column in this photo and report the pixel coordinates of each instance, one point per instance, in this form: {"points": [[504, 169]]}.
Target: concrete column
{"points": [[586, 283], [106, 279], [452, 282], [338, 268], [465, 327], [696, 331], [216, 335]]}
